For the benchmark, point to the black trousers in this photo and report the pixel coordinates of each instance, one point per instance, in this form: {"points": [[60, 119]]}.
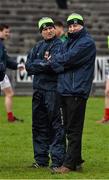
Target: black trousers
{"points": [[73, 115], [47, 128]]}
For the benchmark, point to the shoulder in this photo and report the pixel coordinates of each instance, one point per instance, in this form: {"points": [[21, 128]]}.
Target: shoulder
{"points": [[57, 41], [37, 46], [87, 39]]}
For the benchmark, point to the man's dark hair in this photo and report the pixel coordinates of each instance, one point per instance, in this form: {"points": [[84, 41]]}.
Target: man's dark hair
{"points": [[3, 26], [58, 23]]}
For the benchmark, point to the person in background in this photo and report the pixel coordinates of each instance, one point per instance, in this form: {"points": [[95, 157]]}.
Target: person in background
{"points": [[47, 128], [105, 119], [7, 62], [59, 27]]}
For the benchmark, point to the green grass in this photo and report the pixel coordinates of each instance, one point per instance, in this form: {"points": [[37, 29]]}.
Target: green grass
{"points": [[16, 152]]}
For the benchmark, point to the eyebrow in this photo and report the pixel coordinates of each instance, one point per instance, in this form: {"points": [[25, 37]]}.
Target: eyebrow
{"points": [[49, 27]]}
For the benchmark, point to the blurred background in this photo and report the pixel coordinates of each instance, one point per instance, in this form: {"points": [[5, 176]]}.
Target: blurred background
{"points": [[22, 16]]}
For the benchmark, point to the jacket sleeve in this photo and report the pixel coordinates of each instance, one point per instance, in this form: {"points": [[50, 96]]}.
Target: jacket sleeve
{"points": [[11, 63], [1, 53], [76, 56], [2, 71], [35, 66], [30, 64], [2, 64]]}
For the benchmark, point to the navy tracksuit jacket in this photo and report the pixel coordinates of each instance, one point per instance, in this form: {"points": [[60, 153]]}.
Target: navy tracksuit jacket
{"points": [[5, 61]]}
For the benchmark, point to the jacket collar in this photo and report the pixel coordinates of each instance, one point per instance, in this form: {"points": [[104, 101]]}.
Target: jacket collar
{"points": [[76, 35]]}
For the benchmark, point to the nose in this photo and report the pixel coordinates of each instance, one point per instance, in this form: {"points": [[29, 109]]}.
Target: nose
{"points": [[48, 30], [72, 27]]}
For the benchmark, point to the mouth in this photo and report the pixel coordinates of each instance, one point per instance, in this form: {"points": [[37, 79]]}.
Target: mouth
{"points": [[50, 34]]}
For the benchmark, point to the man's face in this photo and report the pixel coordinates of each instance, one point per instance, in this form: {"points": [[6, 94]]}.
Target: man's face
{"points": [[48, 32], [74, 28], [5, 33]]}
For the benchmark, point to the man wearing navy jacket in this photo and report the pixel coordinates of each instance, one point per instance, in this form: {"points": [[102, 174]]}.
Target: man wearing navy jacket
{"points": [[47, 128], [76, 67]]}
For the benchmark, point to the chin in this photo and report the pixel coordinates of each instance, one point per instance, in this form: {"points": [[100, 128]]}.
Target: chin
{"points": [[50, 37]]}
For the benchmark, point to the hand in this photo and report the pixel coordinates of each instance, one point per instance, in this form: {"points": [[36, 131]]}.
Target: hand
{"points": [[47, 56]]}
